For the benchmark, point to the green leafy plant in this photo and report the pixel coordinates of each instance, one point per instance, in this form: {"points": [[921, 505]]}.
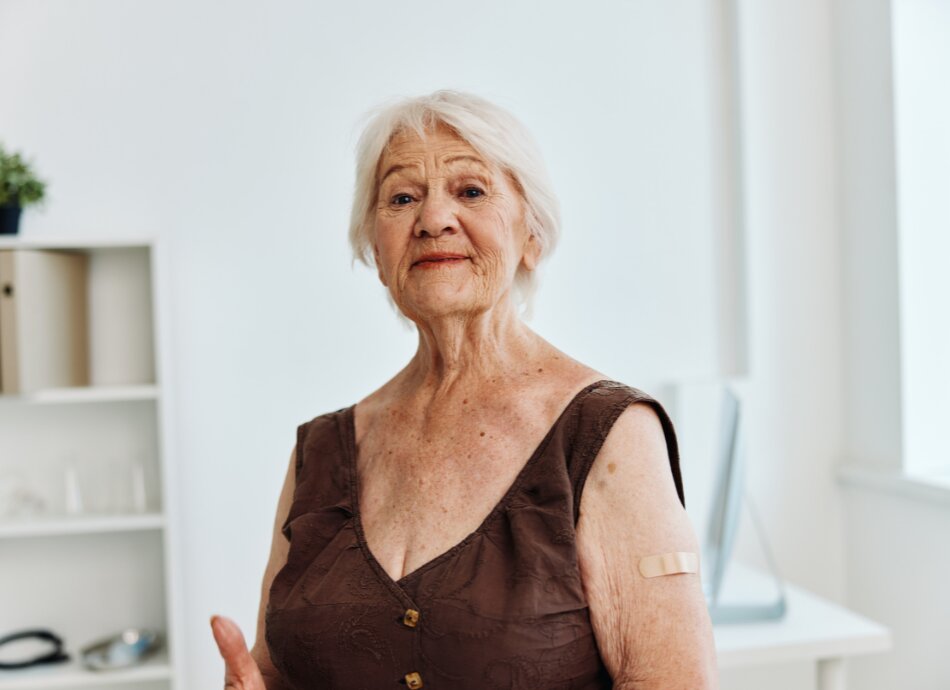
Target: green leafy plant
{"points": [[19, 185]]}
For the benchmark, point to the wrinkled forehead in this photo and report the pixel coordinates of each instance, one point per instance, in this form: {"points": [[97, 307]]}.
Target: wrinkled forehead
{"points": [[406, 146]]}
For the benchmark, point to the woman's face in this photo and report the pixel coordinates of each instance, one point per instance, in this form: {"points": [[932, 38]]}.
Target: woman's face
{"points": [[440, 197]]}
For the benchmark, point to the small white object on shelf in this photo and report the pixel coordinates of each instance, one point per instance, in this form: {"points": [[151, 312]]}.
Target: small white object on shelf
{"points": [[73, 492], [139, 504]]}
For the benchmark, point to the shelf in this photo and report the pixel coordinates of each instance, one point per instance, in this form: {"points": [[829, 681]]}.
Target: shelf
{"points": [[18, 242], [62, 526], [71, 674], [86, 394]]}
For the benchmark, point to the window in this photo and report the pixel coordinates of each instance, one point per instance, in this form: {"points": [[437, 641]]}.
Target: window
{"points": [[921, 55]]}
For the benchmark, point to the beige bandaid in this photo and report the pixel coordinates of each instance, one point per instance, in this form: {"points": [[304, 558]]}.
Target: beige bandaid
{"points": [[669, 564]]}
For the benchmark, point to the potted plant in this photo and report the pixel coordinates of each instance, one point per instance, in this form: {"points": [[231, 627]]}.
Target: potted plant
{"points": [[19, 187]]}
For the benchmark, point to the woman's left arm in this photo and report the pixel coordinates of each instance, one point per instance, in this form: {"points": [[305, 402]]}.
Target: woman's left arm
{"points": [[652, 632]]}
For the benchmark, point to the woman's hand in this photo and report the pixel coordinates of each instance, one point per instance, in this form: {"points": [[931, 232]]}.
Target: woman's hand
{"points": [[240, 670]]}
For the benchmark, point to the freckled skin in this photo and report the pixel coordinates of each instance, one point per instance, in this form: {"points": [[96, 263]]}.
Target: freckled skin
{"points": [[482, 389]]}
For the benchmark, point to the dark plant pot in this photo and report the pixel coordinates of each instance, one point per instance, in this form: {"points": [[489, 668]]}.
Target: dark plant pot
{"points": [[9, 219]]}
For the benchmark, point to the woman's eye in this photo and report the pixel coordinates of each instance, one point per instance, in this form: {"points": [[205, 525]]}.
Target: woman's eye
{"points": [[472, 192], [402, 199]]}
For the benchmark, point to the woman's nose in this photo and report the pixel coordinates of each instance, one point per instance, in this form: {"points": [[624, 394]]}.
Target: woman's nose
{"points": [[436, 215]]}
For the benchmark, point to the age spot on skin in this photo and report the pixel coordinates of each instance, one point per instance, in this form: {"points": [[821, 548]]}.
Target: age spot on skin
{"points": [[540, 370], [611, 467], [482, 433], [465, 401]]}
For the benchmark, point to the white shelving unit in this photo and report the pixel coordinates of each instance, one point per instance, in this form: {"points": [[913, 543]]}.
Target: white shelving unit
{"points": [[72, 675], [86, 394], [89, 573], [37, 527]]}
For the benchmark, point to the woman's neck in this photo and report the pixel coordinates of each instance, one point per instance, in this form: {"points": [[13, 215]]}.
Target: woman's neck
{"points": [[485, 348]]}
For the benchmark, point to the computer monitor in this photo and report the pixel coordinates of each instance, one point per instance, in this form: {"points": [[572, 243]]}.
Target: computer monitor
{"points": [[727, 499], [724, 521]]}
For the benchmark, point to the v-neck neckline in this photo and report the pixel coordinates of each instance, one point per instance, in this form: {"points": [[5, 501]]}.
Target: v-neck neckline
{"points": [[349, 443]]}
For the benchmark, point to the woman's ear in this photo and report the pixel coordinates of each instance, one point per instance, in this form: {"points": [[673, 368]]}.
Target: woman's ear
{"points": [[532, 252]]}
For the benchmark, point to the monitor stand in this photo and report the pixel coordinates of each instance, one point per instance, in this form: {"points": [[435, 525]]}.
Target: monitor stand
{"points": [[741, 612]]}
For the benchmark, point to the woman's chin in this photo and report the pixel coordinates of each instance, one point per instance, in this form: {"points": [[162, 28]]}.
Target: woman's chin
{"points": [[435, 305]]}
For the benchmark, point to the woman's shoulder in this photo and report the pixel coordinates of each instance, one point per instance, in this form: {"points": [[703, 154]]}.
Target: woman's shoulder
{"points": [[566, 374], [618, 394], [322, 428], [324, 418], [595, 390], [624, 432], [610, 408]]}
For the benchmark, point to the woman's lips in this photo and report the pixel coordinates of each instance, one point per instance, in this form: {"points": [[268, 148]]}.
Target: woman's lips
{"points": [[439, 263]]}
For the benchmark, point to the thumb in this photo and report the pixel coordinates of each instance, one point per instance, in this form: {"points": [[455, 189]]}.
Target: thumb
{"points": [[240, 669]]}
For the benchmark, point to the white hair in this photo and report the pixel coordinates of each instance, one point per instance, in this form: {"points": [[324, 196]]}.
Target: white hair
{"points": [[492, 131]]}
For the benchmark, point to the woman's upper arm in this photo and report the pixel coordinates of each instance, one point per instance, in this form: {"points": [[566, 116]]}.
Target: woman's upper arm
{"points": [[652, 632], [278, 557]]}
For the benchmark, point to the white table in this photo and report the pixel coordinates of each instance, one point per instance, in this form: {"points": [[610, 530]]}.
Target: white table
{"points": [[813, 629]]}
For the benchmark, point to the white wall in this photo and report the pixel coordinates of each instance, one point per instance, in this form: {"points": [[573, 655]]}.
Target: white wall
{"points": [[793, 394], [242, 120], [898, 569]]}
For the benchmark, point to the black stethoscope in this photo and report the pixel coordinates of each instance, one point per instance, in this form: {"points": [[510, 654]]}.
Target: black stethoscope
{"points": [[52, 657]]}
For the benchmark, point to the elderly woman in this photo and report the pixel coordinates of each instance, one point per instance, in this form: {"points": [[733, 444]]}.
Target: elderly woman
{"points": [[498, 514]]}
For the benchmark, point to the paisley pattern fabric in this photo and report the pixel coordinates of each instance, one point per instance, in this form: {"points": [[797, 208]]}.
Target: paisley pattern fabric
{"points": [[504, 609]]}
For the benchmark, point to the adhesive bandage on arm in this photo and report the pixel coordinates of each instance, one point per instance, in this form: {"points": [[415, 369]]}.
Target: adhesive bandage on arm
{"points": [[669, 564]]}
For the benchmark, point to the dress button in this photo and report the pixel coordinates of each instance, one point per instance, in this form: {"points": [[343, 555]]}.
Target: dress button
{"points": [[411, 619], [413, 680]]}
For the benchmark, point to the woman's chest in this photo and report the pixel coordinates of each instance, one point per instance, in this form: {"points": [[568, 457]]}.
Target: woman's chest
{"points": [[421, 493]]}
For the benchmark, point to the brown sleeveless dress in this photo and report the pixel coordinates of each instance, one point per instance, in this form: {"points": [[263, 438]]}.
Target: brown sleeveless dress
{"points": [[504, 608]]}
